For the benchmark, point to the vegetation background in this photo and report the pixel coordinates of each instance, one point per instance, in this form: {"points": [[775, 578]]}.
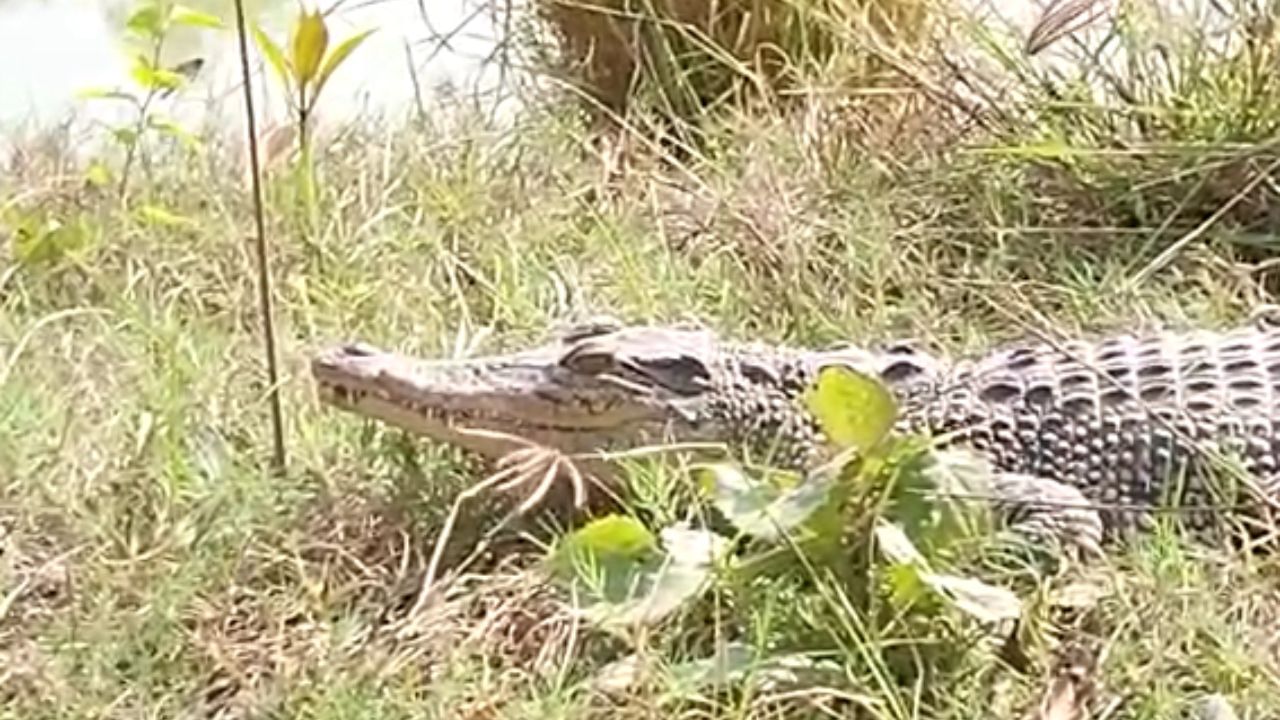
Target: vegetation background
{"points": [[788, 170]]}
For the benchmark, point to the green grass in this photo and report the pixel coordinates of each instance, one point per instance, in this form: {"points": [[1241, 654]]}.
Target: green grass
{"points": [[153, 567]]}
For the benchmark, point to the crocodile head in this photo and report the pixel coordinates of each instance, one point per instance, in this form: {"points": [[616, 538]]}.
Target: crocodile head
{"points": [[597, 387]]}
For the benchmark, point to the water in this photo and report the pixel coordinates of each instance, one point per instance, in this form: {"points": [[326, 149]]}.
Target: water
{"points": [[63, 47]]}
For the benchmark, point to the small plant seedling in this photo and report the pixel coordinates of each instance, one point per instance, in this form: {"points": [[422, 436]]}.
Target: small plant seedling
{"points": [[304, 71], [146, 31]]}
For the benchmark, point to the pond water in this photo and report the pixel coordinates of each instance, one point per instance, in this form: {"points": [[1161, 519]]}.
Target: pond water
{"points": [[53, 50]]}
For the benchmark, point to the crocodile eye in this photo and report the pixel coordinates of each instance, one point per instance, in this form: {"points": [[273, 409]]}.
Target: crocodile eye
{"points": [[588, 362], [683, 374]]}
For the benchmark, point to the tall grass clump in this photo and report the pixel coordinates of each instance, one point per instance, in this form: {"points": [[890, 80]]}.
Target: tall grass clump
{"points": [[679, 61], [1155, 134]]}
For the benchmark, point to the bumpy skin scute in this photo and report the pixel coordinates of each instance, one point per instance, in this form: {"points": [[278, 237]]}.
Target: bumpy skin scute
{"points": [[1124, 423]]}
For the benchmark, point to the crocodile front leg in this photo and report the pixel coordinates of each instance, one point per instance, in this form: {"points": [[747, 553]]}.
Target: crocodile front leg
{"points": [[1042, 511]]}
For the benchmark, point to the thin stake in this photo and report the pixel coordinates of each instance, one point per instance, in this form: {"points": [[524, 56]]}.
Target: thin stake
{"points": [[264, 276]]}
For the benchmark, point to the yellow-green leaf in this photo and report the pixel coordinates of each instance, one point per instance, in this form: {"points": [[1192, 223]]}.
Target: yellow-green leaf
{"points": [[620, 577], [308, 45], [761, 508], [44, 243], [171, 128], [146, 21], [97, 174], [613, 536], [183, 15], [275, 57], [335, 59], [102, 93], [855, 410], [151, 77], [155, 215]]}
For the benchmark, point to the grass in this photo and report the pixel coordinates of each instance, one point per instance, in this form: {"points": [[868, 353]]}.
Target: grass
{"points": [[153, 567]]}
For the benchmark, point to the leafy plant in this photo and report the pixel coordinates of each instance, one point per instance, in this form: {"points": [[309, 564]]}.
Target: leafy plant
{"points": [[304, 71], [801, 533], [42, 240], [146, 31], [622, 576]]}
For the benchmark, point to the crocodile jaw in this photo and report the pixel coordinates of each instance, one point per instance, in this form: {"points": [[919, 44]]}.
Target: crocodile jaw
{"points": [[510, 400]]}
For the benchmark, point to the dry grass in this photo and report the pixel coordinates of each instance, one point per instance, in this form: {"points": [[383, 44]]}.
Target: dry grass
{"points": [[846, 65]]}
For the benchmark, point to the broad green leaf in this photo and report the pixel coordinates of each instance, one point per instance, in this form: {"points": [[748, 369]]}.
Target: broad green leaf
{"points": [[336, 58], [610, 536], [957, 479], [620, 577], [987, 603], [896, 546], [307, 46], [762, 508], [855, 410], [275, 57], [146, 21], [183, 15], [908, 570]]}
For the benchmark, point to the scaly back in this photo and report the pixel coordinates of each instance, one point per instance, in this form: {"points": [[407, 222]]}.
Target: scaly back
{"points": [[1121, 417]]}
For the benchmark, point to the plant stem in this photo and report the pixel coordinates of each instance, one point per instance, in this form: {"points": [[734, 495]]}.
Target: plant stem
{"points": [[264, 275]]}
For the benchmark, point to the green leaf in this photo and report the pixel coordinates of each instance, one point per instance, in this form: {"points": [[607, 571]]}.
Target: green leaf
{"points": [[173, 129], [275, 57], [956, 478], [336, 58], [153, 78], [308, 45], [987, 603], [761, 508], [156, 215], [855, 410], [908, 572], [50, 241], [613, 536], [893, 542], [98, 174], [190, 17], [620, 577], [146, 21], [101, 93], [907, 588], [1054, 149], [126, 136]]}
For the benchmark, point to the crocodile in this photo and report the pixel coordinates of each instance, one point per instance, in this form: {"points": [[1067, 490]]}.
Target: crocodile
{"points": [[1088, 438]]}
